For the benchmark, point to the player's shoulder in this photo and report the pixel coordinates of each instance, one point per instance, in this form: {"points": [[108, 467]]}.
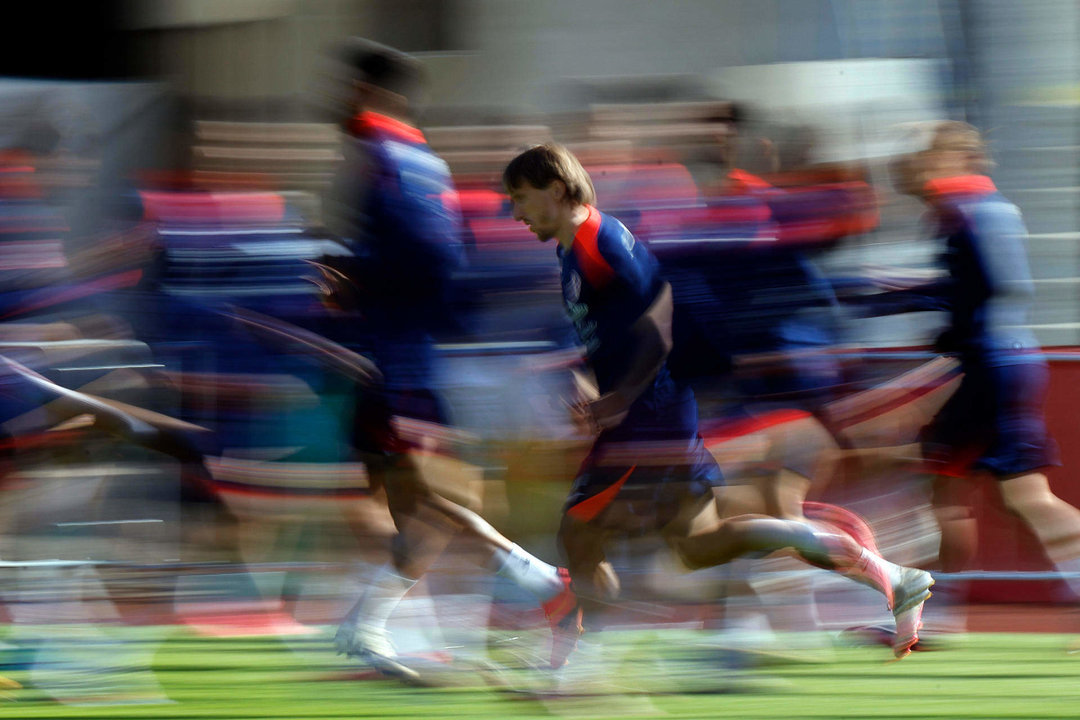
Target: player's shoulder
{"points": [[409, 167], [991, 215], [614, 238]]}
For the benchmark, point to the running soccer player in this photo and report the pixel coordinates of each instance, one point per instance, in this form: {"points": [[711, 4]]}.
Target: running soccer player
{"points": [[993, 425], [404, 235], [648, 469]]}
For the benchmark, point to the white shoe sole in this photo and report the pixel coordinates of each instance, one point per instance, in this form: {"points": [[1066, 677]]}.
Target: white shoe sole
{"points": [[389, 666]]}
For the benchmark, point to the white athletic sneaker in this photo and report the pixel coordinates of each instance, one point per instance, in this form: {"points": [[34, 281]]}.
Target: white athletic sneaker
{"points": [[371, 644], [909, 594]]}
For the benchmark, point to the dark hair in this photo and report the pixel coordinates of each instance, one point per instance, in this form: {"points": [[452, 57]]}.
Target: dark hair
{"points": [[541, 165], [382, 66]]}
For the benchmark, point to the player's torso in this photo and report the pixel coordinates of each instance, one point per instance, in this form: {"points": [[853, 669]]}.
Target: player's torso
{"points": [[608, 281], [991, 283]]}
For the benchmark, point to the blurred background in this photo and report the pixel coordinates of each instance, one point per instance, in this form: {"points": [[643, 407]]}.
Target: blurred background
{"points": [[147, 85], [164, 159]]}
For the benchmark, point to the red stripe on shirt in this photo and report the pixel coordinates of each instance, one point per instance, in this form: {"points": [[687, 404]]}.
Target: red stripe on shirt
{"points": [[368, 122], [596, 269], [960, 185]]}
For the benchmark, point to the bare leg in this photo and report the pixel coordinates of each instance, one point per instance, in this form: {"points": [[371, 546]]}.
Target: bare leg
{"points": [[424, 530], [594, 579], [952, 502], [422, 534], [470, 523], [702, 540], [783, 493], [426, 523], [806, 454], [1055, 522]]}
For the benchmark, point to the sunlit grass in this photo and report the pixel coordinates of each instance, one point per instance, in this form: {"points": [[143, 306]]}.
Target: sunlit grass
{"points": [[649, 673]]}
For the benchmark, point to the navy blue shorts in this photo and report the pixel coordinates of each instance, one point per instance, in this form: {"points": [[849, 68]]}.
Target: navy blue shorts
{"points": [[994, 422], [651, 464], [373, 410]]}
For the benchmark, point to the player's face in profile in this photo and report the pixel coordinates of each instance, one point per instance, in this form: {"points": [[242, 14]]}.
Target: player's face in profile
{"points": [[538, 208]]}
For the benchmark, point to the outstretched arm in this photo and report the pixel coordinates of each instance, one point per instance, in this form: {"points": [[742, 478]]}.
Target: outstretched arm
{"points": [[147, 428], [323, 350]]}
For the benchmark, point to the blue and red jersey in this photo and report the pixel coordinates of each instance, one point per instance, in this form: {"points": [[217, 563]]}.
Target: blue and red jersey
{"points": [[994, 421], [410, 226], [609, 280], [408, 246], [989, 286]]}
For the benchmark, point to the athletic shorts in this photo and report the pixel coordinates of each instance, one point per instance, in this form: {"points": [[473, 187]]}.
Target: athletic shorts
{"points": [[994, 422], [651, 464], [373, 430]]}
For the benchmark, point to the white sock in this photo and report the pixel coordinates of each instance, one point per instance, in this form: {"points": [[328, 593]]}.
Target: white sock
{"points": [[383, 594], [529, 572], [892, 570], [876, 572]]}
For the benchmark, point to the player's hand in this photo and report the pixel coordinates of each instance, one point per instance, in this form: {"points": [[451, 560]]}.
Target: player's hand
{"points": [[582, 419], [592, 412], [608, 410], [593, 417], [336, 289]]}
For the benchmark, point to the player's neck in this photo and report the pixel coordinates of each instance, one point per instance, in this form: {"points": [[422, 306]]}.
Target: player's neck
{"points": [[575, 218]]}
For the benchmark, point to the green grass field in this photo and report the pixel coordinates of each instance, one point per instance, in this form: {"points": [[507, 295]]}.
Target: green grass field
{"points": [[655, 674]]}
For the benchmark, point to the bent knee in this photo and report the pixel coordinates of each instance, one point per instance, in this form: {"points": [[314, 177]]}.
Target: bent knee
{"points": [[705, 549]]}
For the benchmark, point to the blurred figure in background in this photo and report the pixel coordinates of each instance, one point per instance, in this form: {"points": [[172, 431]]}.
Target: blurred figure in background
{"points": [[63, 432], [993, 425], [649, 470], [756, 314], [782, 312], [739, 156], [404, 235]]}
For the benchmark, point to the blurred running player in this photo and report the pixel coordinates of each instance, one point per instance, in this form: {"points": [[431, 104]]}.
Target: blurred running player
{"points": [[649, 470], [993, 425], [403, 230]]}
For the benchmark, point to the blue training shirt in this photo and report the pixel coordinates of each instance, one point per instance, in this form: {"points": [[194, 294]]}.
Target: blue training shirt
{"points": [[609, 280], [990, 285], [409, 247]]}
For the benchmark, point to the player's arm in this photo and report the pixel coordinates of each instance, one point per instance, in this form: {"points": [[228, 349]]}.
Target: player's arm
{"points": [[279, 333], [138, 425], [651, 340]]}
